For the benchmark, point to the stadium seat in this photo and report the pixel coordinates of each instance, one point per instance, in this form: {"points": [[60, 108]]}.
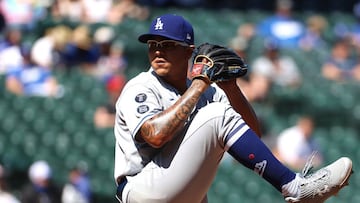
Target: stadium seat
{"points": [[234, 197], [48, 138], [40, 124], [30, 144], [61, 148], [92, 148], [9, 122], [3, 143], [79, 139]]}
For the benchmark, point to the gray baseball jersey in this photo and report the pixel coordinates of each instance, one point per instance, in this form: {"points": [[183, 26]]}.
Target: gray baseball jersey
{"points": [[157, 171], [143, 97]]}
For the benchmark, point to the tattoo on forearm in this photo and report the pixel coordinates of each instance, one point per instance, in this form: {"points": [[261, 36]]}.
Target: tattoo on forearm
{"points": [[167, 123]]}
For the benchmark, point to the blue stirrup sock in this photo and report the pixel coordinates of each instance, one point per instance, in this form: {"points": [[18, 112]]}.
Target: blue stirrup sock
{"points": [[248, 149]]}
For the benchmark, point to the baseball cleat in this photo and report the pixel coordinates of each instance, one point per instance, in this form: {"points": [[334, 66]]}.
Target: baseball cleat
{"points": [[321, 185]]}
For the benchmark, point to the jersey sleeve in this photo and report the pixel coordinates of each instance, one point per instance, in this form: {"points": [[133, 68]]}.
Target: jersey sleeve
{"points": [[137, 104], [220, 95]]}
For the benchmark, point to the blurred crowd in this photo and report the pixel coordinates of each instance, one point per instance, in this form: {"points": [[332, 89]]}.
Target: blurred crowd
{"points": [[283, 31], [41, 188], [304, 5], [29, 64], [337, 48]]}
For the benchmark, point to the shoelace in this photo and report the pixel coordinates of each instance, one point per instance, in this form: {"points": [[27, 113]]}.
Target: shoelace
{"points": [[309, 164]]}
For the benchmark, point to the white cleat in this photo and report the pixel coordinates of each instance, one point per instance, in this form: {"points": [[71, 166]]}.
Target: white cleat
{"points": [[321, 185]]}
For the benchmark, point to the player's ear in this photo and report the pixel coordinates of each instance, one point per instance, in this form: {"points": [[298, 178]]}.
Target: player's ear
{"points": [[190, 50], [192, 47]]}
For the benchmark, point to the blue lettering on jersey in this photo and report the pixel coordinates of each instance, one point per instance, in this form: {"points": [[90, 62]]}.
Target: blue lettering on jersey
{"points": [[140, 97], [142, 109]]}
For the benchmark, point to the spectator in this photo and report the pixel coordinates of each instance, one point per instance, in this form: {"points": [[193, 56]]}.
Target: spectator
{"points": [[110, 70], [246, 31], [280, 69], [355, 27], [18, 13], [112, 60], [241, 42], [314, 35], [10, 54], [342, 28], [96, 11], [282, 26], [77, 189], [240, 45], [41, 188], [46, 51], [295, 144], [271, 68], [340, 65], [72, 10], [81, 51], [127, 9], [104, 116], [5, 195], [29, 79]]}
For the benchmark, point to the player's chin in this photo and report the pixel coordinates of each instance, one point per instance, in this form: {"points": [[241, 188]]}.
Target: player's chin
{"points": [[161, 71], [160, 67]]}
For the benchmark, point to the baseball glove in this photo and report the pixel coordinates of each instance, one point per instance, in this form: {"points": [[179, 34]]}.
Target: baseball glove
{"points": [[215, 63]]}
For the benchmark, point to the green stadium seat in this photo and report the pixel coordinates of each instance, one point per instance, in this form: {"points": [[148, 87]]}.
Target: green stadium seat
{"points": [[30, 144], [70, 125], [16, 137], [12, 159], [234, 197], [9, 123], [3, 143], [58, 114], [350, 142], [40, 124], [268, 196], [92, 148], [252, 188], [79, 139], [105, 161], [98, 95], [213, 198], [354, 197], [48, 105], [221, 188], [109, 138], [239, 174], [4, 108], [74, 159], [61, 148], [18, 103], [48, 137], [333, 153]]}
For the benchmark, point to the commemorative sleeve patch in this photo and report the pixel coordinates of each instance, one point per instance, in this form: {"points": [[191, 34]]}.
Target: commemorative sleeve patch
{"points": [[140, 97], [142, 109]]}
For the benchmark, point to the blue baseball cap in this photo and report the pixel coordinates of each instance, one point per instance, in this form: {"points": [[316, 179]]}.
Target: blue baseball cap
{"points": [[170, 26]]}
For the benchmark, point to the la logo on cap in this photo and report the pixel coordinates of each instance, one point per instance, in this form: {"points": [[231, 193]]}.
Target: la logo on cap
{"points": [[159, 25], [188, 36]]}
